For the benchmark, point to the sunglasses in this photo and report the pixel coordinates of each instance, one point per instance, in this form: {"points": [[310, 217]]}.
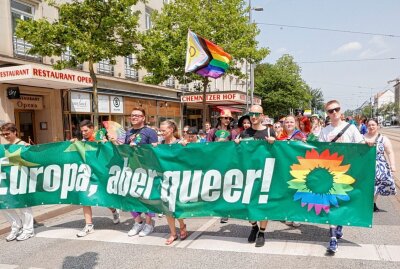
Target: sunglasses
{"points": [[5, 134], [336, 109], [227, 118], [255, 114]]}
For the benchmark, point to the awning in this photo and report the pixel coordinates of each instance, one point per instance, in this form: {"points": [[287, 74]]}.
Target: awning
{"points": [[232, 109], [44, 76]]}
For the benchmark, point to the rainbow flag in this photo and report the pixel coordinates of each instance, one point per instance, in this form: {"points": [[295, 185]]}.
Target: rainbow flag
{"points": [[205, 58]]}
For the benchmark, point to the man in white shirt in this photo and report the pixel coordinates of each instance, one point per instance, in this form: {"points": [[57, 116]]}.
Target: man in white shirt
{"points": [[341, 132]]}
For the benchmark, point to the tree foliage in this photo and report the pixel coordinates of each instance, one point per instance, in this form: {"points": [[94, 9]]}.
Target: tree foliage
{"points": [[387, 110], [91, 30], [317, 99], [224, 23], [281, 87]]}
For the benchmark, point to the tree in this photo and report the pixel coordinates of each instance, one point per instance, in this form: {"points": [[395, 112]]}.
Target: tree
{"points": [[281, 87], [91, 30], [387, 110], [317, 99], [224, 23]]}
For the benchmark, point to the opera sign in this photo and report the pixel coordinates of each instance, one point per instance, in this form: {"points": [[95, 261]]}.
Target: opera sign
{"points": [[28, 102]]}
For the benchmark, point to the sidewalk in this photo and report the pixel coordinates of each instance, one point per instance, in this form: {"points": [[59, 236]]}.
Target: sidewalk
{"points": [[41, 213]]}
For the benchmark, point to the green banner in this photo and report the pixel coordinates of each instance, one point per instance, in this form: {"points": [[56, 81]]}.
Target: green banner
{"points": [[308, 182]]}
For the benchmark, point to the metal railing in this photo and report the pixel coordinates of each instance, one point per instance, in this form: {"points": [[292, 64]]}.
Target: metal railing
{"points": [[21, 48], [105, 68]]}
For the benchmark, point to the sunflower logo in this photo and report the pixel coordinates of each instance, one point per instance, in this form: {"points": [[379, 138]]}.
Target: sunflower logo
{"points": [[320, 180]]}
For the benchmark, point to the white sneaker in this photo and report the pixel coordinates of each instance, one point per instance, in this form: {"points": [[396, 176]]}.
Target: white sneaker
{"points": [[293, 223], [147, 229], [88, 229], [296, 224], [13, 234], [137, 227], [115, 214], [25, 235]]}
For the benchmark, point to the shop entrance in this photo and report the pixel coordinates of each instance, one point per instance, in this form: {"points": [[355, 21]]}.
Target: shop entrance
{"points": [[24, 120]]}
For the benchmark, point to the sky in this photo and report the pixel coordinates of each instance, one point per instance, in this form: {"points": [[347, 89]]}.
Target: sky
{"points": [[352, 83]]}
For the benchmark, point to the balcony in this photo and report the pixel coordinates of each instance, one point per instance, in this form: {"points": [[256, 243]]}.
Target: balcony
{"points": [[105, 68], [21, 47]]}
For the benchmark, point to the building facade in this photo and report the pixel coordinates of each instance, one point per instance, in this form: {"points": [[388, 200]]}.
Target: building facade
{"points": [[47, 105]]}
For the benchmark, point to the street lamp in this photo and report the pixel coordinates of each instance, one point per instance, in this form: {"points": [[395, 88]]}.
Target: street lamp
{"points": [[251, 64]]}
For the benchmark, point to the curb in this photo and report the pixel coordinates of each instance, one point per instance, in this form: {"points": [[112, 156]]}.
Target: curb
{"points": [[46, 215]]}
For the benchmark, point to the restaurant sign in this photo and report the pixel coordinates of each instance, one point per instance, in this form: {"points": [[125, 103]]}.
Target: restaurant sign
{"points": [[28, 102]]}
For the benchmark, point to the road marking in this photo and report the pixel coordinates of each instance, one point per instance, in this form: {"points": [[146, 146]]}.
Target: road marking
{"points": [[233, 244], [197, 233], [299, 248], [8, 266], [14, 266]]}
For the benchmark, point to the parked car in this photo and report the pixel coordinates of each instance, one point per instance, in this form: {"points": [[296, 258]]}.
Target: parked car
{"points": [[387, 123]]}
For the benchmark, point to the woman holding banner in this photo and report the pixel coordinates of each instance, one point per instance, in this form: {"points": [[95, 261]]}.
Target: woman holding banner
{"points": [[384, 182], [21, 227], [169, 132]]}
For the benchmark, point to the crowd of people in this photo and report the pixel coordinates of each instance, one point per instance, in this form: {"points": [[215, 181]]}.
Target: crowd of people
{"points": [[252, 126]]}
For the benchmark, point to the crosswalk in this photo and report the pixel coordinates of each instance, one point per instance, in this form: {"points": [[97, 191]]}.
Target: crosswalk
{"points": [[200, 241]]}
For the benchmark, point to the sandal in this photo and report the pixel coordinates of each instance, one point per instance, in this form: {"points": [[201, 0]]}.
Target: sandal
{"points": [[183, 233], [171, 239]]}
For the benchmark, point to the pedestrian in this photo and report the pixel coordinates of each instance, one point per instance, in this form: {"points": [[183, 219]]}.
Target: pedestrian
{"points": [[244, 123], [184, 130], [207, 127], [315, 125], [222, 131], [191, 136], [202, 136], [21, 226], [141, 134], [88, 134], [384, 182], [278, 129], [169, 131], [305, 125], [342, 132], [257, 131], [290, 131], [363, 126]]}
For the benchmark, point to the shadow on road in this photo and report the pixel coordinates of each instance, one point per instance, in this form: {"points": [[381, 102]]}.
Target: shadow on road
{"points": [[87, 260]]}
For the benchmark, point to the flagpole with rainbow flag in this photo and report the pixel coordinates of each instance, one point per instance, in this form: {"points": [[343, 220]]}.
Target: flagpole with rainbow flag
{"points": [[205, 58]]}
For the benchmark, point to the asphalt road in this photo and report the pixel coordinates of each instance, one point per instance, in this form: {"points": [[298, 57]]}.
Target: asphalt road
{"points": [[210, 244]]}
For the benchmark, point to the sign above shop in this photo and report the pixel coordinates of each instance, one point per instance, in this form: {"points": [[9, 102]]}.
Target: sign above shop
{"points": [[44, 76], [28, 102], [80, 102], [13, 93], [219, 98], [104, 103], [117, 104]]}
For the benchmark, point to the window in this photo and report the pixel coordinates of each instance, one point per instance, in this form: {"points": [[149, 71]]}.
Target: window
{"points": [[130, 71], [105, 68], [170, 82], [147, 17], [21, 11], [66, 56]]}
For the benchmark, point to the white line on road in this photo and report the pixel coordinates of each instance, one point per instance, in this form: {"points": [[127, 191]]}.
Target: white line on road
{"points": [[234, 244], [197, 233]]}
